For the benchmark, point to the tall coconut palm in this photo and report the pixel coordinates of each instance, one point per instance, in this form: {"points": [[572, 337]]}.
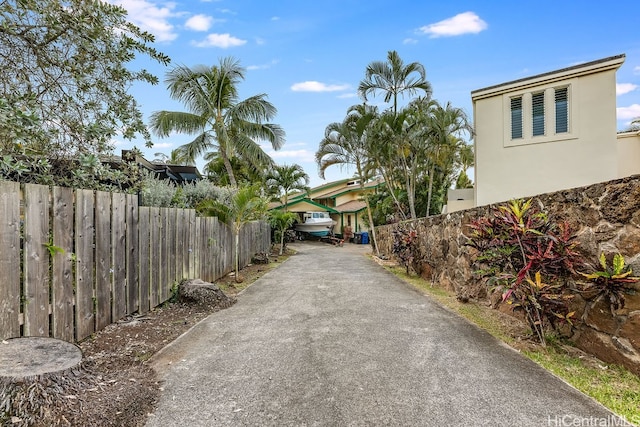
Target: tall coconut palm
{"points": [[219, 119], [286, 178], [345, 144], [394, 78]]}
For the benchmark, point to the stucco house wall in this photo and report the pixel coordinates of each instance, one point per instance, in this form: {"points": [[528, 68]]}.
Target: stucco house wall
{"points": [[629, 153], [507, 168]]}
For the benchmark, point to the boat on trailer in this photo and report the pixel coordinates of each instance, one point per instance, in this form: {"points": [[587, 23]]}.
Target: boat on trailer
{"points": [[317, 224]]}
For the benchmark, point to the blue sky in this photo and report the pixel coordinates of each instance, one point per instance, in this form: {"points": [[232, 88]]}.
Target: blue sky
{"points": [[310, 56]]}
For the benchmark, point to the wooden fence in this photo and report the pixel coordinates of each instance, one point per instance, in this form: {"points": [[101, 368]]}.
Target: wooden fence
{"points": [[74, 261]]}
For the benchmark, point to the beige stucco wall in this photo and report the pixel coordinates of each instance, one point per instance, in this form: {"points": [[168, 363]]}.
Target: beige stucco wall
{"points": [[507, 169], [628, 154], [459, 200]]}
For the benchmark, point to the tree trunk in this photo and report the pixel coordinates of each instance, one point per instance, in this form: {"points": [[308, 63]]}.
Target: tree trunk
{"points": [[431, 172], [389, 185], [237, 251], [373, 228], [282, 232], [229, 168], [411, 196]]}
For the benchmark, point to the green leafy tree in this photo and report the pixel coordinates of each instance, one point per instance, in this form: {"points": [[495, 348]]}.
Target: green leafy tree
{"points": [[244, 205], [281, 221], [66, 62], [281, 180], [220, 121], [346, 143]]}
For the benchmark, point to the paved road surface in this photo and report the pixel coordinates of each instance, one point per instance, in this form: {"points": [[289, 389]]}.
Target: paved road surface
{"points": [[331, 339]]}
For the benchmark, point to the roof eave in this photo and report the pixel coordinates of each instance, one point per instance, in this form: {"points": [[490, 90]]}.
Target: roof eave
{"points": [[610, 63]]}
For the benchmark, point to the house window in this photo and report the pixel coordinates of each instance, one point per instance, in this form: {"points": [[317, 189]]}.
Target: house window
{"points": [[537, 108], [516, 118], [562, 110]]}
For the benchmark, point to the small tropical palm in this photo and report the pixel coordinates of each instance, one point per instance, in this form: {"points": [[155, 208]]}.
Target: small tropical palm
{"points": [[220, 121], [281, 221], [245, 205], [286, 178], [394, 78]]}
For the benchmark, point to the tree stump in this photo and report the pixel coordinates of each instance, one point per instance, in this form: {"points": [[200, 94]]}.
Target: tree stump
{"points": [[201, 292], [21, 358], [39, 377]]}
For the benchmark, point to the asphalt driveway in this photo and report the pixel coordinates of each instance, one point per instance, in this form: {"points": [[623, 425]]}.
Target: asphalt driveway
{"points": [[331, 339]]}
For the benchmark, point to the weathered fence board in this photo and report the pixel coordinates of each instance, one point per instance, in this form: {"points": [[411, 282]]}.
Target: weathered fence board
{"points": [[85, 320], [171, 247], [154, 254], [192, 242], [10, 259], [75, 261], [36, 260], [164, 252], [144, 258], [102, 291], [119, 256], [62, 268], [132, 263]]}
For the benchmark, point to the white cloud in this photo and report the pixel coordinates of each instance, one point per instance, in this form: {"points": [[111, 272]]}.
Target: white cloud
{"points": [[348, 95], [628, 113], [297, 155], [636, 70], [199, 22], [260, 41], [223, 41], [622, 88], [409, 41], [263, 66], [150, 17], [463, 23], [275, 18], [162, 145], [313, 86]]}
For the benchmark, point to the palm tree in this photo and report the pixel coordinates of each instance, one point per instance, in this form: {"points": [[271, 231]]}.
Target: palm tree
{"points": [[176, 158], [220, 121], [281, 221], [446, 125], [245, 205], [283, 179], [346, 143], [635, 124], [394, 78]]}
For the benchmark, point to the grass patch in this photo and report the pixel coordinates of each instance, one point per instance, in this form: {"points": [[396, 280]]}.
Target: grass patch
{"points": [[613, 386]]}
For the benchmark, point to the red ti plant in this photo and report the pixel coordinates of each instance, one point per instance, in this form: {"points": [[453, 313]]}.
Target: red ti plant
{"points": [[516, 240]]}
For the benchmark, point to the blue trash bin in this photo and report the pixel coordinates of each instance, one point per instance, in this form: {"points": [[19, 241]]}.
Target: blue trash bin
{"points": [[365, 237]]}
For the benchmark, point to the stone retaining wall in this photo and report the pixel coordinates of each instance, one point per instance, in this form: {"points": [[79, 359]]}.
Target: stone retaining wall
{"points": [[605, 218]]}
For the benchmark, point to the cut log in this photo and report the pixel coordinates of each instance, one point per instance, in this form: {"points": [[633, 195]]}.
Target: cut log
{"points": [[200, 292]]}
